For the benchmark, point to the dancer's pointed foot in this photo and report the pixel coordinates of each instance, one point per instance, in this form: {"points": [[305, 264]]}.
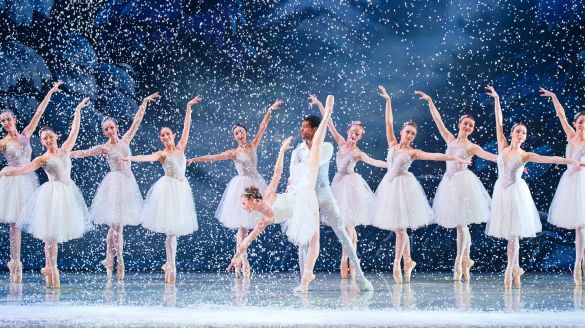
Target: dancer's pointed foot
{"points": [[466, 264], [108, 264], [46, 273], [408, 267], [516, 275], [457, 272], [507, 279], [577, 275], [55, 280], [166, 268], [18, 272], [11, 270], [305, 281], [172, 274], [397, 273], [120, 268]]}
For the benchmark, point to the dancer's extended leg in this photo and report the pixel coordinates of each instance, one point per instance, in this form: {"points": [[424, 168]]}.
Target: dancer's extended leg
{"points": [[15, 265]]}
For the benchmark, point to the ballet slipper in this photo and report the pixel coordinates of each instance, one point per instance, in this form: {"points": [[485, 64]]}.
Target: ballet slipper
{"points": [[466, 264], [305, 281], [516, 274], [343, 269], [45, 273], [397, 273], [408, 267], [10, 266], [18, 272], [457, 272], [246, 272], [55, 281], [120, 268], [165, 268], [172, 274], [108, 264], [507, 279], [577, 275]]}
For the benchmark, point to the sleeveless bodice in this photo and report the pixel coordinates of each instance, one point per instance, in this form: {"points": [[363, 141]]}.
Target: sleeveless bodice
{"points": [[577, 153], [345, 162], [175, 165], [18, 153], [58, 168], [115, 154], [246, 163], [510, 169], [398, 162], [460, 151]]}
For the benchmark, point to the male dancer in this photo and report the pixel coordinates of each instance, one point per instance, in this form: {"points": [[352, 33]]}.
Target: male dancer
{"points": [[328, 209]]}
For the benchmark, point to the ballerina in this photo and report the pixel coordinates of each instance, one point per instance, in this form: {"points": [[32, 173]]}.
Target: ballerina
{"points": [[117, 201], [513, 212], [56, 211], [567, 209], [297, 209], [230, 212], [400, 201], [169, 207], [16, 190], [461, 198], [352, 193]]}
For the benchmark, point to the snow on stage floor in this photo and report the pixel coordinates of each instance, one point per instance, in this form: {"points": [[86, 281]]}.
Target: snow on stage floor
{"points": [[431, 299]]}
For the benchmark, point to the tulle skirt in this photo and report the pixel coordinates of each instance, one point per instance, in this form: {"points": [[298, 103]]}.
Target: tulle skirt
{"points": [[169, 208], [297, 210], [461, 199], [15, 192], [567, 209], [354, 198], [400, 203], [230, 212], [56, 212], [117, 200], [513, 212]]}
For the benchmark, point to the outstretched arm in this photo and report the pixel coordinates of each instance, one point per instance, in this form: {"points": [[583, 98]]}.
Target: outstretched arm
{"points": [[336, 135], [34, 122], [480, 152], [569, 131], [187, 123], [93, 151], [154, 157], [390, 136], [261, 225], [371, 161], [273, 185], [70, 142], [502, 142], [447, 136], [228, 154], [129, 135], [33, 165], [535, 158], [264, 123], [422, 155]]}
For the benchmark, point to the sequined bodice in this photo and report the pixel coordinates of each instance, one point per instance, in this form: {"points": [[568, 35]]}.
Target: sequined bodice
{"points": [[577, 153], [18, 153], [460, 151], [510, 169], [58, 168], [115, 155], [398, 162], [175, 165], [345, 162], [246, 163]]}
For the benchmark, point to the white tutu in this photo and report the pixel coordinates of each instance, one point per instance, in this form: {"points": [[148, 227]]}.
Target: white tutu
{"points": [[169, 208], [400, 202], [461, 199], [117, 200], [15, 192], [230, 212], [296, 210], [567, 209], [56, 212], [354, 198], [513, 212]]}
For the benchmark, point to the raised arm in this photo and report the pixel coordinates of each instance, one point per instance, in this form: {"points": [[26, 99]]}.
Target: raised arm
{"points": [[93, 151], [154, 157], [422, 155], [569, 131], [34, 122], [476, 150], [502, 142], [33, 165], [390, 136], [228, 154], [535, 158], [273, 185], [129, 135], [336, 135], [447, 136], [187, 124], [70, 142], [371, 161], [264, 123]]}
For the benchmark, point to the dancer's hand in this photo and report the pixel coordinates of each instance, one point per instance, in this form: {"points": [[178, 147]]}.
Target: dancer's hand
{"points": [[546, 93], [286, 143], [313, 101], [194, 101], [235, 258], [276, 105], [84, 103], [152, 97], [193, 160], [492, 92], [383, 92], [56, 88], [424, 96]]}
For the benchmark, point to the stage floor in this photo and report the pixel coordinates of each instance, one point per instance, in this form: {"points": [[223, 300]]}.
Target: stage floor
{"points": [[431, 299]]}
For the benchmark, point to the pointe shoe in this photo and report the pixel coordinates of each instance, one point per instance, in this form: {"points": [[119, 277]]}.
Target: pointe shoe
{"points": [[305, 281], [344, 269], [120, 268], [172, 274], [457, 273], [408, 267], [507, 280], [55, 281], [165, 268], [246, 272], [45, 272], [466, 264], [516, 275], [397, 273], [18, 272], [108, 264], [11, 269], [577, 275]]}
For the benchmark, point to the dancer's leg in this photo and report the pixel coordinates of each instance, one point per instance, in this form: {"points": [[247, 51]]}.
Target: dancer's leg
{"points": [[118, 243], [398, 252], [511, 251], [346, 268], [242, 263], [517, 271], [318, 138], [46, 271], [15, 265], [409, 264], [54, 251], [173, 257], [457, 268], [466, 262], [311, 259], [108, 262]]}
